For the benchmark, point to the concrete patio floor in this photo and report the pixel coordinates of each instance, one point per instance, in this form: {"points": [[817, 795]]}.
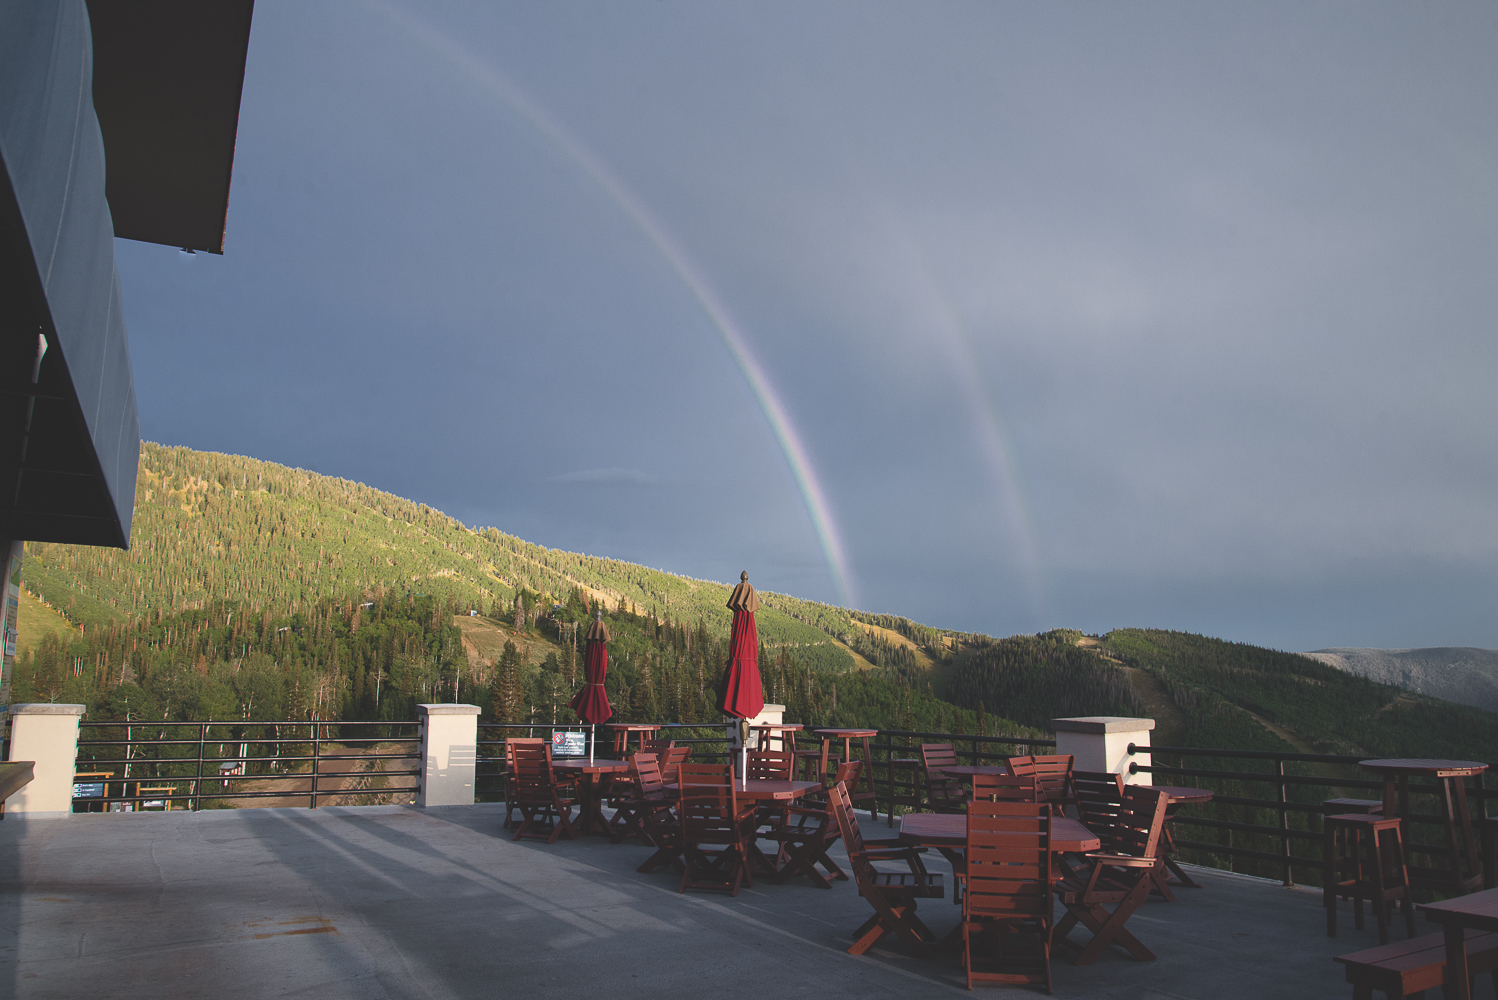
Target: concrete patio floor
{"points": [[399, 902]]}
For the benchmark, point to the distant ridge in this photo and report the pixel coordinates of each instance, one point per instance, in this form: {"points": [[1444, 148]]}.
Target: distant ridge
{"points": [[1463, 674]]}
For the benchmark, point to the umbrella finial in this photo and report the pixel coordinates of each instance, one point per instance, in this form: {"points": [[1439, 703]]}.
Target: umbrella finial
{"points": [[744, 576], [598, 614]]}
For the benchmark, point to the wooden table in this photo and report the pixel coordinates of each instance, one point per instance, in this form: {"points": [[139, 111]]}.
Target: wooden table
{"points": [[830, 736], [594, 775], [622, 731], [1478, 911], [1457, 818], [772, 789], [1177, 796], [777, 731]]}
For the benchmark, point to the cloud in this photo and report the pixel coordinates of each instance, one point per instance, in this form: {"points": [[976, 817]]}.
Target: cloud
{"points": [[605, 477]]}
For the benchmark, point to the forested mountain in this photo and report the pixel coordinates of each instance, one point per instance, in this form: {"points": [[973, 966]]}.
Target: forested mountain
{"points": [[254, 591]]}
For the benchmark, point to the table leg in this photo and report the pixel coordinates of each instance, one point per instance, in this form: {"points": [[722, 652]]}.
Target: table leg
{"points": [[1464, 816], [1458, 976], [1390, 804]]}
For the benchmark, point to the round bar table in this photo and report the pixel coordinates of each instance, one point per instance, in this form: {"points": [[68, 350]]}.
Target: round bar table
{"points": [[594, 774], [1451, 790], [621, 735], [829, 736], [776, 731]]}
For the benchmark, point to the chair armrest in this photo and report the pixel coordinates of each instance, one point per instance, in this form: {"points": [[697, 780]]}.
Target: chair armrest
{"points": [[1122, 860], [891, 842], [911, 853]]}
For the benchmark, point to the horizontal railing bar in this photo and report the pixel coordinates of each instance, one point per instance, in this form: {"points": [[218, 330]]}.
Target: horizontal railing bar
{"points": [[1268, 777], [1269, 831], [1246, 852]]}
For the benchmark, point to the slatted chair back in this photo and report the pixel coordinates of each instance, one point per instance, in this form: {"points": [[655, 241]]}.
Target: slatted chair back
{"points": [[704, 774], [1099, 803], [847, 825], [672, 760], [893, 895], [646, 773], [657, 747], [779, 765], [1008, 881], [1053, 773], [942, 793], [1005, 788], [535, 783], [1141, 818]]}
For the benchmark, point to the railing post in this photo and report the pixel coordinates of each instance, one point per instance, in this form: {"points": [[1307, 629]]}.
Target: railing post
{"points": [[316, 760], [197, 785], [1289, 869]]}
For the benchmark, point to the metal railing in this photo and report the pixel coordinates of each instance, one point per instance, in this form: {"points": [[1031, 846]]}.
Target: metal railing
{"points": [[1264, 817], [1296, 805], [207, 764]]}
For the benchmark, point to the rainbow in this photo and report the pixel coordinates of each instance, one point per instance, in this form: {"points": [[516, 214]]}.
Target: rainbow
{"points": [[813, 497]]}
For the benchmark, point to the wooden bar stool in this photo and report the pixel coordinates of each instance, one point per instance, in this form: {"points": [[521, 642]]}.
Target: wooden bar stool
{"points": [[1338, 806], [622, 731], [1363, 858]]}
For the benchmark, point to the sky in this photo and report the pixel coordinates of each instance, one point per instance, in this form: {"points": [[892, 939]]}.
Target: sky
{"points": [[1002, 317]]}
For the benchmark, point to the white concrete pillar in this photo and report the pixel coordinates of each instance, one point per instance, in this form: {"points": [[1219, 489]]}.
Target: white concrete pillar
{"points": [[47, 734], [449, 753], [1101, 743]]}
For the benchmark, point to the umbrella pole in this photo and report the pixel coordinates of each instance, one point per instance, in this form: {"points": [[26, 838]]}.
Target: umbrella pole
{"points": [[592, 741]]}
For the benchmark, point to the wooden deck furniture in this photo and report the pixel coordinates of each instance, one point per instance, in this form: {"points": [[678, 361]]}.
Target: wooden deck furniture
{"points": [[1008, 889], [808, 832], [674, 758], [1408, 968], [1053, 774], [510, 745], [943, 793], [948, 834], [893, 895], [623, 731], [1005, 788], [635, 813], [1337, 807], [1455, 877], [1478, 912], [861, 794], [545, 802], [717, 831], [591, 779], [1363, 859], [903, 780], [1490, 852], [777, 764], [1099, 806], [1177, 796], [782, 733], [1120, 878]]}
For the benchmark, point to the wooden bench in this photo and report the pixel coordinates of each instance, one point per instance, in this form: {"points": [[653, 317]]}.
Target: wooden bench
{"points": [[1409, 968]]}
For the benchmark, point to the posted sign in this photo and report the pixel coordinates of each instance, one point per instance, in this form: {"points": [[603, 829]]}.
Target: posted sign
{"points": [[569, 744]]}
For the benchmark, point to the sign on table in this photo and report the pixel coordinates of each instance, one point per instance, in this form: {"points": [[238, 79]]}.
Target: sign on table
{"points": [[569, 744]]}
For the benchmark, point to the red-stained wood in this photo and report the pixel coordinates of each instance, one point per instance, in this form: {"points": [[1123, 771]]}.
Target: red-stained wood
{"points": [[1007, 888], [893, 895]]}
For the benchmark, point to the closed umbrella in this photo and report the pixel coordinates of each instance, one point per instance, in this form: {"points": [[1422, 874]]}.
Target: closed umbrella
{"points": [[592, 702], [743, 694]]}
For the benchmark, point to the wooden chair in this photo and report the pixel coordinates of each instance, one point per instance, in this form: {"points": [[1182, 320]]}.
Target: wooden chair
{"points": [[808, 758], [657, 747], [1005, 788], [634, 813], [779, 765], [943, 794], [1008, 888], [1053, 773], [1120, 878], [540, 797], [510, 745], [1099, 805], [893, 895], [716, 832], [804, 843], [1363, 858], [674, 758]]}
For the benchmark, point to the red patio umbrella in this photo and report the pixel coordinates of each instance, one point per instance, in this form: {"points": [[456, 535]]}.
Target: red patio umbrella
{"points": [[743, 694], [592, 702]]}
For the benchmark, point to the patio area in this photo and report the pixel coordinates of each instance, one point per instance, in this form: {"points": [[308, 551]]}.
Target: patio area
{"points": [[400, 902]]}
